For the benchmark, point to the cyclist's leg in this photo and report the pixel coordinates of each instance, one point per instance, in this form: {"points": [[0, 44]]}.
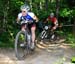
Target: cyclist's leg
{"points": [[53, 35], [33, 28]]}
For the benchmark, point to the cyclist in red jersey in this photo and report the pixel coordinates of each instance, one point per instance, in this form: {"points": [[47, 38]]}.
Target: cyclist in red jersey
{"points": [[53, 21]]}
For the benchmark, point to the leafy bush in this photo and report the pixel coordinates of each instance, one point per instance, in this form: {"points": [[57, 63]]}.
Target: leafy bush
{"points": [[70, 38], [73, 59]]}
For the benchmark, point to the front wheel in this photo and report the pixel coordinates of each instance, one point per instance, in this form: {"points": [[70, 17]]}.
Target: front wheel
{"points": [[42, 38], [21, 45]]}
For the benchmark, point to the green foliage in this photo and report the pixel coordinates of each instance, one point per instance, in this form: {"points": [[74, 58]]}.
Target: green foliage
{"points": [[6, 39], [37, 1], [10, 8], [70, 39], [65, 12], [73, 59]]}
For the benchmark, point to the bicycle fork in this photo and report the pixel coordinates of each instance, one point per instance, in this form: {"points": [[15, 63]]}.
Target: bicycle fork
{"points": [[43, 34], [28, 39]]}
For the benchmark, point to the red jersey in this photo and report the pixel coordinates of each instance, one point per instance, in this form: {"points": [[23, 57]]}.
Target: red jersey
{"points": [[53, 20]]}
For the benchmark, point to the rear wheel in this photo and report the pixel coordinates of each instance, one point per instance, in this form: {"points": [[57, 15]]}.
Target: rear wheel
{"points": [[55, 38]]}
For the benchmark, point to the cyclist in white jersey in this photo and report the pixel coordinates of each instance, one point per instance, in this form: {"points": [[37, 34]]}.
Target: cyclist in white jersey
{"points": [[30, 16]]}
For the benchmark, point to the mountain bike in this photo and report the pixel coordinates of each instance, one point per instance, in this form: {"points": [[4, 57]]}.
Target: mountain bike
{"points": [[23, 41], [47, 35]]}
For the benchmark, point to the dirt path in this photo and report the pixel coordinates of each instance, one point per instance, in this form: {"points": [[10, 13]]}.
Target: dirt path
{"points": [[43, 55]]}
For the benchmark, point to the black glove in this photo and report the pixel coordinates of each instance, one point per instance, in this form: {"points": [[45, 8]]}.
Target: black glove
{"points": [[17, 23], [34, 21]]}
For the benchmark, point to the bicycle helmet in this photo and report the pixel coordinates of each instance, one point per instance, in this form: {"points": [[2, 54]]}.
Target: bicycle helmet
{"points": [[25, 8], [52, 14]]}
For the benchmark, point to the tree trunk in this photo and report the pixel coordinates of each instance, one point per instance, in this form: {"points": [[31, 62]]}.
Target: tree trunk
{"points": [[57, 7], [74, 28], [5, 11], [26, 1], [46, 5], [31, 4], [50, 1], [40, 5]]}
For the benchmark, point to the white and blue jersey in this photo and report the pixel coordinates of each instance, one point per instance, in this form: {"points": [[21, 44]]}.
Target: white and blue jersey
{"points": [[28, 17]]}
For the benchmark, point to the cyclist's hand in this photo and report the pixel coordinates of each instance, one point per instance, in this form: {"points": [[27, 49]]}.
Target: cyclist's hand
{"points": [[60, 25], [17, 23], [35, 21], [45, 21], [49, 27], [51, 30]]}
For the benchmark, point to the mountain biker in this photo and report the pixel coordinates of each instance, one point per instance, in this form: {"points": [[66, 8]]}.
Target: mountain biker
{"points": [[30, 16], [53, 21]]}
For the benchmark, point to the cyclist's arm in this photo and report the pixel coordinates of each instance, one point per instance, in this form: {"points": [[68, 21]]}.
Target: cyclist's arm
{"points": [[35, 18], [55, 25], [19, 17], [46, 20]]}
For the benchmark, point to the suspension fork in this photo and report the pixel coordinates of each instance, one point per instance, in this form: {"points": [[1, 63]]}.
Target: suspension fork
{"points": [[43, 34]]}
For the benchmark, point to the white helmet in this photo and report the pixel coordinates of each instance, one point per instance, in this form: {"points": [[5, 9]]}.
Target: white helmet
{"points": [[52, 14], [25, 8]]}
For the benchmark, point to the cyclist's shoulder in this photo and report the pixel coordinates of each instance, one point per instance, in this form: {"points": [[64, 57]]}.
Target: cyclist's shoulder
{"points": [[31, 14], [48, 17], [20, 14], [54, 18]]}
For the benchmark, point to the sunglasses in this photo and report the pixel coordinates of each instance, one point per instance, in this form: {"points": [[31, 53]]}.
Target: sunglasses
{"points": [[23, 11]]}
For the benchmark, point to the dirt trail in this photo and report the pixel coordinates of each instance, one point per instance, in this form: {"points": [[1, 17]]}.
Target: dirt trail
{"points": [[44, 54]]}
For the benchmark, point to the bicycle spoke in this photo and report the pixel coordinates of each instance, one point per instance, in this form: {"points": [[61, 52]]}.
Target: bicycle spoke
{"points": [[20, 45]]}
